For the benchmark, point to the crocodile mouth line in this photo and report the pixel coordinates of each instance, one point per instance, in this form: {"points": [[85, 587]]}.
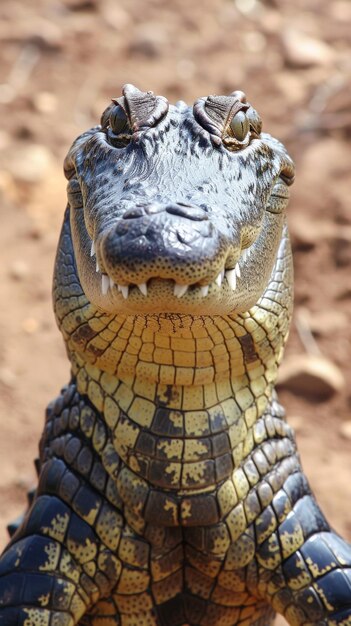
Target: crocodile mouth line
{"points": [[231, 276]]}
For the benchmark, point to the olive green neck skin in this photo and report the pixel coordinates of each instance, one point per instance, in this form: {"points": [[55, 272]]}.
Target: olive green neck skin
{"points": [[176, 377]]}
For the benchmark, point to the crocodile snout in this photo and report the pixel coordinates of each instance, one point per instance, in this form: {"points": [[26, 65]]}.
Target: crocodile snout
{"points": [[167, 240]]}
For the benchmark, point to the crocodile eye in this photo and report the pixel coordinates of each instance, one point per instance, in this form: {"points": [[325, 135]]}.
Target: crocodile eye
{"points": [[239, 126], [118, 120]]}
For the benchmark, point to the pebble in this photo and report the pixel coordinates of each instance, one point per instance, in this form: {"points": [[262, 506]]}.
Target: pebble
{"points": [[325, 322], [345, 429], [114, 16], [302, 51], [29, 163], [247, 6], [30, 325], [45, 102], [296, 421], [19, 270], [149, 40], [81, 5], [342, 252], [308, 232], [312, 376], [5, 140], [7, 377], [40, 31]]}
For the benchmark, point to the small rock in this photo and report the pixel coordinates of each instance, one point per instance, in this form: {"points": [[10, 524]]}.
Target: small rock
{"points": [[5, 140], [29, 163], [342, 252], [45, 102], [7, 377], [296, 421], [302, 51], [312, 376], [8, 187], [247, 6], [30, 325], [345, 429], [81, 5], [148, 40], [40, 31], [327, 322], [34, 232], [303, 232], [308, 233], [19, 270], [114, 16]]}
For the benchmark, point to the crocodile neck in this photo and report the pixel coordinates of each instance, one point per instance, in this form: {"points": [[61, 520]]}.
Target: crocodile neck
{"points": [[181, 400], [183, 364]]}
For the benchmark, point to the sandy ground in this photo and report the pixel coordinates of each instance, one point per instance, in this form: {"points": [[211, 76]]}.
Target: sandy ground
{"points": [[60, 64]]}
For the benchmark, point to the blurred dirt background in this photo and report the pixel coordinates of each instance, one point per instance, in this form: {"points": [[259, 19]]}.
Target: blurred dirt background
{"points": [[61, 62]]}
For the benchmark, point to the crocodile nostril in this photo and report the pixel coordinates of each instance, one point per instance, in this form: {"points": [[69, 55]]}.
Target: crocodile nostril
{"points": [[186, 210]]}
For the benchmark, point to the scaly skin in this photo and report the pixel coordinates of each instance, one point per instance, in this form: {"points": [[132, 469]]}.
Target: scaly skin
{"points": [[170, 489]]}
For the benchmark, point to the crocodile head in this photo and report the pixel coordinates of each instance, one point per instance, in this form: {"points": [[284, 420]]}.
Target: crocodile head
{"points": [[177, 209]]}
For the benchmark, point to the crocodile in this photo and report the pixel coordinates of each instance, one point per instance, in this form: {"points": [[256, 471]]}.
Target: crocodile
{"points": [[170, 489]]}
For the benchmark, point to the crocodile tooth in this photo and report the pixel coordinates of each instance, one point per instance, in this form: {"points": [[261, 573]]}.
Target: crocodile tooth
{"points": [[237, 270], [231, 278], [180, 290], [124, 289], [219, 278], [204, 290], [92, 250], [112, 284], [143, 288], [97, 265], [105, 283]]}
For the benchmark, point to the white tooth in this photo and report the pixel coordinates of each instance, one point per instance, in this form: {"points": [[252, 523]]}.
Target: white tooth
{"points": [[180, 290], [97, 266], [143, 288], [219, 278], [237, 270], [112, 284], [119, 287], [231, 278], [124, 290], [204, 290], [105, 283], [92, 250]]}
